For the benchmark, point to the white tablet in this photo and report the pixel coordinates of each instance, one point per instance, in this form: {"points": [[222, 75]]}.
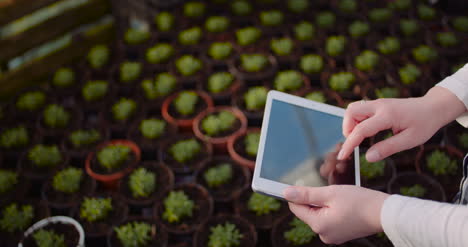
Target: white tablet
{"points": [[299, 142]]}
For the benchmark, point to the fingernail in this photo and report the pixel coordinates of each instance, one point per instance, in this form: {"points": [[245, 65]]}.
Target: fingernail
{"points": [[373, 156], [290, 194], [340, 155]]}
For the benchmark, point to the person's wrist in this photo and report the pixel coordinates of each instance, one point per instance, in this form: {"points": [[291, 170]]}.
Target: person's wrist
{"points": [[443, 105], [375, 209]]}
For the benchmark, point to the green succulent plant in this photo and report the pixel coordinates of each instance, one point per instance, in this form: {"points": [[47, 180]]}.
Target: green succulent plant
{"points": [[439, 163], [152, 128], [379, 15], [226, 235], [325, 20], [304, 31], [220, 81], [95, 209], [335, 45], [191, 36], [216, 24], [45, 155], [185, 102], [68, 180], [220, 50], [177, 205], [31, 101], [188, 65], [463, 140], [424, 54], [255, 98], [409, 73], [163, 85], [142, 182], [371, 170], [8, 180], [341, 81], [194, 9], [447, 39], [185, 150], [316, 96], [55, 116], [262, 205], [271, 18], [366, 61], [416, 190], [241, 7], [134, 36], [248, 35], [82, 138], [215, 124], [16, 137], [359, 29], [123, 109], [387, 92], [95, 90], [218, 175], [389, 45], [347, 6], [400, 4], [64, 77], [98, 56], [409, 27], [311, 63], [48, 238], [130, 71], [251, 143], [460, 23], [282, 46], [113, 156], [16, 217], [159, 53], [134, 234], [298, 6], [426, 13], [164, 21], [300, 233], [253, 62], [289, 80]]}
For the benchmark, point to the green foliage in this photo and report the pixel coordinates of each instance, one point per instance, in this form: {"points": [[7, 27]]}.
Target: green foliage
{"points": [[214, 124], [400, 4], [460, 23], [45, 238], [81, 138], [316, 96], [113, 156], [220, 50], [255, 98], [45, 155], [298, 6], [159, 53], [219, 82], [409, 73], [463, 140], [218, 175], [241, 7], [288, 80], [134, 36], [389, 45], [164, 21], [185, 150], [177, 206], [439, 163], [335, 45], [457, 67], [426, 13], [447, 39], [188, 65], [366, 61], [311, 63], [15, 137], [130, 71], [191, 36], [371, 170], [185, 102], [387, 92], [325, 20], [98, 56], [152, 128], [253, 62], [262, 205], [64, 77], [134, 234], [348, 6], [68, 180], [123, 109], [248, 35], [31, 101], [16, 217], [300, 233], [8, 179], [55, 116], [251, 143], [341, 81], [358, 29], [163, 85], [424, 54], [409, 27], [380, 15], [282, 46], [95, 209], [226, 235], [416, 190], [194, 9], [304, 30], [142, 182], [95, 90], [216, 24], [271, 18]]}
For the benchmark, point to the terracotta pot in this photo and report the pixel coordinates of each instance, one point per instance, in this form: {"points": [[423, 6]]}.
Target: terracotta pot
{"points": [[158, 236], [111, 181], [184, 124], [234, 145], [219, 142]]}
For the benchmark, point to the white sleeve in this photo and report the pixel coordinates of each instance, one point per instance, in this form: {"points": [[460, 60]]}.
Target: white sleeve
{"points": [[411, 222], [458, 85]]}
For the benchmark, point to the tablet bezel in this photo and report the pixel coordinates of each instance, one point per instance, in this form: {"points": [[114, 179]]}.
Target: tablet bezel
{"points": [[273, 188]]}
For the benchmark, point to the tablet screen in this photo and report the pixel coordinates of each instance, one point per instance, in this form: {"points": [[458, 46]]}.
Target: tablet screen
{"points": [[301, 146]]}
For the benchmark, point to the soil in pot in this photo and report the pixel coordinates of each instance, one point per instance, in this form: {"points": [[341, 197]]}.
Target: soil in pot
{"points": [[403, 181], [284, 225], [68, 231], [158, 236]]}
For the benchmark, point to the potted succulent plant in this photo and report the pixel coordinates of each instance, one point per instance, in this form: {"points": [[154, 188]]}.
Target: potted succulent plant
{"points": [[63, 79], [376, 175], [12, 185], [426, 13], [448, 44], [460, 24], [57, 118], [98, 59], [194, 9], [358, 29], [181, 108], [248, 36], [243, 147], [79, 142], [342, 81], [400, 5], [251, 101], [389, 46], [137, 232], [216, 125], [410, 31], [241, 7], [160, 53], [162, 85], [164, 21], [29, 104], [284, 49], [317, 96], [220, 52], [136, 36], [14, 138], [344, 85], [94, 92], [335, 46], [191, 37], [188, 68], [41, 161], [298, 6], [130, 72], [369, 65], [424, 54], [380, 17], [253, 66], [409, 73], [312, 65], [291, 81], [149, 132], [122, 112], [405, 183], [271, 18], [221, 86], [226, 230], [217, 27], [325, 20], [184, 208], [290, 231], [112, 161]]}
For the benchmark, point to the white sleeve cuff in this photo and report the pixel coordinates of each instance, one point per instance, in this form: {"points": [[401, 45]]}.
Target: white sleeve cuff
{"points": [[389, 217]]}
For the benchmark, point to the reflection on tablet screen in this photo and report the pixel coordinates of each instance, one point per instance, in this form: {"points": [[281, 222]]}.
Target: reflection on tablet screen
{"points": [[301, 147]]}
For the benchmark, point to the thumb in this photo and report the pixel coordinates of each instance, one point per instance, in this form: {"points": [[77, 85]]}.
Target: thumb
{"points": [[317, 196]]}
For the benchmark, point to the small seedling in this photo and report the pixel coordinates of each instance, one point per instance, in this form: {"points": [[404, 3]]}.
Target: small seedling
{"points": [[64, 77], [191, 36], [163, 85], [45, 238], [341, 81], [463, 140], [251, 142], [282, 46], [298, 6], [358, 29], [348, 6], [217, 24], [95, 90], [218, 175], [16, 217], [214, 124], [16, 137], [289, 80], [424, 54], [219, 82], [389, 45], [226, 235], [255, 98], [31, 101], [416, 190], [98, 56], [134, 234], [426, 13], [253, 62], [447, 39], [123, 109], [164, 21], [400, 4], [262, 205], [366, 61], [325, 20], [55, 116], [439, 163], [300, 233], [177, 206], [194, 9], [185, 150], [409, 27], [241, 7], [409, 73], [335, 45], [185, 102], [304, 31], [8, 180], [82, 138], [271, 18], [95, 209], [387, 92], [113, 156], [68, 180], [152, 128], [188, 65], [142, 182], [316, 96], [159, 53], [311, 63], [380, 15], [130, 71], [220, 50], [460, 23], [134, 36], [248, 35], [45, 155], [371, 170]]}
